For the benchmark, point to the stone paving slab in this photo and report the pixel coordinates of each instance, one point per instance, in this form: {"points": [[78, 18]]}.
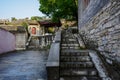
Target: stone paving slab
{"points": [[23, 65]]}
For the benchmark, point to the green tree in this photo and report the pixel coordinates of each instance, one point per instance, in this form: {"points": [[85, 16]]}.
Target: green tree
{"points": [[13, 19], [57, 9], [26, 27], [37, 18]]}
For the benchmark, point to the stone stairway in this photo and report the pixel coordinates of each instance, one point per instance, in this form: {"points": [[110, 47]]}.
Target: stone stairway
{"points": [[75, 64]]}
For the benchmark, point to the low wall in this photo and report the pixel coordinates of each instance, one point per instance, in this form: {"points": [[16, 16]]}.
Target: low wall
{"points": [[7, 41], [52, 65], [104, 27]]}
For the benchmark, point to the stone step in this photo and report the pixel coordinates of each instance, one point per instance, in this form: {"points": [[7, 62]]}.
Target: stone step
{"points": [[73, 53], [75, 45], [68, 36], [75, 58], [76, 65], [79, 72], [80, 78], [69, 42], [69, 39], [70, 47]]}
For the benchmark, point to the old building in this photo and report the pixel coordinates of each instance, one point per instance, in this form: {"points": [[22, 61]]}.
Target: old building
{"points": [[39, 33], [20, 36], [4, 21], [34, 28], [46, 24]]}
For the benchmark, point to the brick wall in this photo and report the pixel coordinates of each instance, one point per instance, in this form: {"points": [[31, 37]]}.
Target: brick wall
{"points": [[104, 27]]}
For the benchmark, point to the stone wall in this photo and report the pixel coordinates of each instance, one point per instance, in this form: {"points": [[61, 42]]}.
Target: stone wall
{"points": [[20, 41], [7, 41], [104, 27], [86, 14]]}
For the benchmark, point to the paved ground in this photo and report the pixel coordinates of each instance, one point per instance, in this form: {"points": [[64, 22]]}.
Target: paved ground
{"points": [[23, 65]]}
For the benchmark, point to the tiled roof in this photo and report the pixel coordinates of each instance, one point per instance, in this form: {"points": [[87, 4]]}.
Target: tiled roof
{"points": [[32, 22], [48, 23]]}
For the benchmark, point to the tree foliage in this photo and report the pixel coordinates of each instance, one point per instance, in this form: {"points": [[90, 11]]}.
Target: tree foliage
{"points": [[57, 9], [13, 19], [37, 18], [25, 24]]}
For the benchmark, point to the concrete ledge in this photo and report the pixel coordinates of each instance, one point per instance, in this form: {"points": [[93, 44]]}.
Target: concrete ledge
{"points": [[57, 37], [54, 53], [52, 65]]}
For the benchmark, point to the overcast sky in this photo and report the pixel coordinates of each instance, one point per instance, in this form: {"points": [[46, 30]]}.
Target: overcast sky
{"points": [[19, 8]]}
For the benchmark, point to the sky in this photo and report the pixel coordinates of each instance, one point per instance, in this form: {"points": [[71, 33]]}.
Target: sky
{"points": [[19, 9]]}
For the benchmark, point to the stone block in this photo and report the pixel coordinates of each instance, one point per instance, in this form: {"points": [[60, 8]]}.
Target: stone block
{"points": [[115, 21], [117, 27]]}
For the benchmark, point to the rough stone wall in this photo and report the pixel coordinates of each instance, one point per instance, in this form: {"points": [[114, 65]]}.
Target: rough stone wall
{"points": [[7, 41], [91, 10], [104, 27], [21, 39]]}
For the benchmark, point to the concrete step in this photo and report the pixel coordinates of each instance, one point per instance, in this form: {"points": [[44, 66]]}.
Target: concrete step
{"points": [[70, 47], [79, 78], [75, 58], [76, 65], [75, 45], [74, 53], [79, 72], [68, 39], [69, 42]]}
